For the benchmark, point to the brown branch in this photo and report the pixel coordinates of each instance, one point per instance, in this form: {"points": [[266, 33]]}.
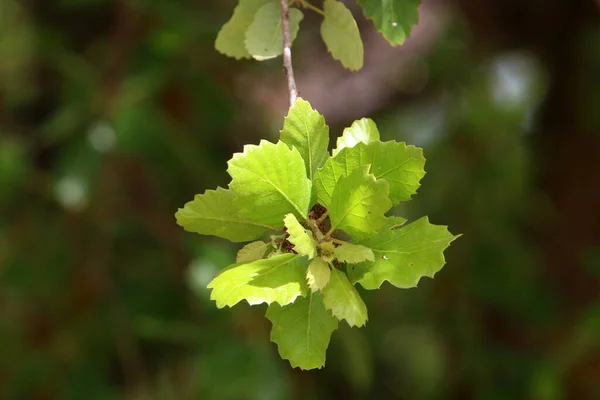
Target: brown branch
{"points": [[287, 52]]}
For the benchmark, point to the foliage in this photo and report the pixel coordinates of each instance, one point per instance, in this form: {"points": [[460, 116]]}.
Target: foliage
{"points": [[114, 113], [270, 187], [312, 204], [254, 29]]}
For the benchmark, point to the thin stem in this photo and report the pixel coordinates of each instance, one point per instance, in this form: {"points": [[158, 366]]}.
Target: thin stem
{"points": [[322, 217], [306, 4], [287, 52]]}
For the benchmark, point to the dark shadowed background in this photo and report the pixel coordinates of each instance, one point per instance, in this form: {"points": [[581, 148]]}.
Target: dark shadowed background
{"points": [[114, 113]]}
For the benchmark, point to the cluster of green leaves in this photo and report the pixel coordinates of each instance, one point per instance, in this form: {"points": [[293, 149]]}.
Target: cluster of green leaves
{"points": [[254, 30], [317, 225]]}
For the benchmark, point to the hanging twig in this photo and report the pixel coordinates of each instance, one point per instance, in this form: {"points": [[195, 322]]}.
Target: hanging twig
{"points": [[287, 52]]}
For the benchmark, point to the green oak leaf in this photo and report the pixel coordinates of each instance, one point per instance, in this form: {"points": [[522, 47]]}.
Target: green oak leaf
{"points": [[342, 299], [252, 252], [305, 129], [269, 181], [280, 279], [363, 130], [231, 37], [302, 239], [302, 331], [393, 18], [403, 255], [341, 35], [317, 274], [264, 37], [353, 253], [400, 165], [359, 203], [214, 213]]}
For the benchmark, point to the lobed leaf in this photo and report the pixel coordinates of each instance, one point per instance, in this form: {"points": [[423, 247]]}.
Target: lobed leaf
{"points": [[302, 331], [251, 252], [231, 38], [363, 130], [264, 37], [359, 203], [342, 299], [403, 255], [270, 181], [317, 274], [341, 35], [279, 279], [393, 18], [400, 165], [214, 213], [306, 130], [353, 253], [302, 239]]}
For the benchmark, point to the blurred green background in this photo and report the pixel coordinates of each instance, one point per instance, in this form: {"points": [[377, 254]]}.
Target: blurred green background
{"points": [[114, 113]]}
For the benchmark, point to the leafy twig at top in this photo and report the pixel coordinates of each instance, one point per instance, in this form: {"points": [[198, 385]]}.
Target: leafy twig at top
{"points": [[287, 52]]}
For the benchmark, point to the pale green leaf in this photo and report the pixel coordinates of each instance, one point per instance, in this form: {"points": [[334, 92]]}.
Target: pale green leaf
{"points": [[251, 252], [342, 299], [363, 130], [403, 255], [214, 213], [400, 165], [317, 274], [341, 35], [279, 279], [302, 239], [264, 37], [353, 253], [231, 37], [359, 203], [302, 331], [393, 18], [305, 129], [270, 181]]}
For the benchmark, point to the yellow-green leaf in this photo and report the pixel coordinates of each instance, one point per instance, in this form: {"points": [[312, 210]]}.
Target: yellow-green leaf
{"points": [[264, 37], [318, 274], [341, 35], [251, 252], [341, 298], [302, 331], [302, 239], [231, 37], [278, 279]]}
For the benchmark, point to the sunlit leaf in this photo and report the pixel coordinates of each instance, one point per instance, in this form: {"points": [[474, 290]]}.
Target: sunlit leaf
{"points": [[301, 238], [359, 203], [251, 252], [302, 331], [403, 255], [278, 279], [318, 274], [213, 213], [269, 181], [363, 130], [400, 165], [342, 299], [305, 129], [353, 253]]}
